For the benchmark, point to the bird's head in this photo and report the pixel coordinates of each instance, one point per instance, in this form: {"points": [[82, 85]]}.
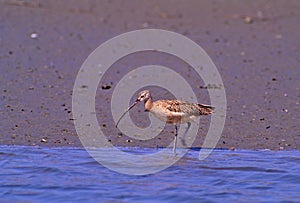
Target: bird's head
{"points": [[143, 96]]}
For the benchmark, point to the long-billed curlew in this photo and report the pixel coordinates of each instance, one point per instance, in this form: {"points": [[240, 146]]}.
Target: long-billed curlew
{"points": [[171, 111]]}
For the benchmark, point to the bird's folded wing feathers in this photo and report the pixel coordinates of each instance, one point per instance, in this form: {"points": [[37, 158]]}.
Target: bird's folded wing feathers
{"points": [[182, 108]]}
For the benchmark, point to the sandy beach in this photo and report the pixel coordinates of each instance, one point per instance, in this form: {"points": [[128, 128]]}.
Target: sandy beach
{"points": [[254, 44]]}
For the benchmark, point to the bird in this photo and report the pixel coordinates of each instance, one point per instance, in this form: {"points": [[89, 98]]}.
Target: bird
{"points": [[171, 111]]}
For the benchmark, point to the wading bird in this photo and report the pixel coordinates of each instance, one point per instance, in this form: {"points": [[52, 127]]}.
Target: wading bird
{"points": [[171, 111]]}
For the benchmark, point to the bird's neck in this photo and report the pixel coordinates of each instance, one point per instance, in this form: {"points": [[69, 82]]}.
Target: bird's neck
{"points": [[148, 104]]}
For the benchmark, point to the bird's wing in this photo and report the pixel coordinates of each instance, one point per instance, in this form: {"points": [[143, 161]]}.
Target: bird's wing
{"points": [[185, 108], [181, 108]]}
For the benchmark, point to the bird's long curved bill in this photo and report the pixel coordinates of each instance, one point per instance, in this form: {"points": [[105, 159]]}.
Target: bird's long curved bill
{"points": [[135, 103]]}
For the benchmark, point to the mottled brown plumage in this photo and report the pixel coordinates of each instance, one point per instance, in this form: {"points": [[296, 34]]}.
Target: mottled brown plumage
{"points": [[171, 111], [174, 111]]}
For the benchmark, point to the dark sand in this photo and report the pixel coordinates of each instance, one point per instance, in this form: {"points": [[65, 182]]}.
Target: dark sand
{"points": [[254, 44]]}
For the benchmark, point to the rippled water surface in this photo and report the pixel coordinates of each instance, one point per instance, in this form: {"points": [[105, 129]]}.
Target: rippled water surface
{"points": [[64, 174]]}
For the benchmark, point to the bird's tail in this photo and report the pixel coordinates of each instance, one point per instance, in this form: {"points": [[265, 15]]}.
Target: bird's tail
{"points": [[206, 109]]}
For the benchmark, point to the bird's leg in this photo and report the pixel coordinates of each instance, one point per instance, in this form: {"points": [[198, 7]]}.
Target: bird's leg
{"points": [[186, 130], [175, 139]]}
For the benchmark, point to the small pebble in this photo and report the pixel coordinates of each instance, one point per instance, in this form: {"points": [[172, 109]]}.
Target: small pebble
{"points": [[33, 35], [83, 86], [43, 140], [105, 87], [128, 140], [248, 20]]}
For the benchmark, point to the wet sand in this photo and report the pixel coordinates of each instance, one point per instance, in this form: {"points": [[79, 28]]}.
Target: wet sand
{"points": [[254, 44]]}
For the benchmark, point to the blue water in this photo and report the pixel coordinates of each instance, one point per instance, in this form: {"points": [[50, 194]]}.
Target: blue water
{"points": [[63, 174]]}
